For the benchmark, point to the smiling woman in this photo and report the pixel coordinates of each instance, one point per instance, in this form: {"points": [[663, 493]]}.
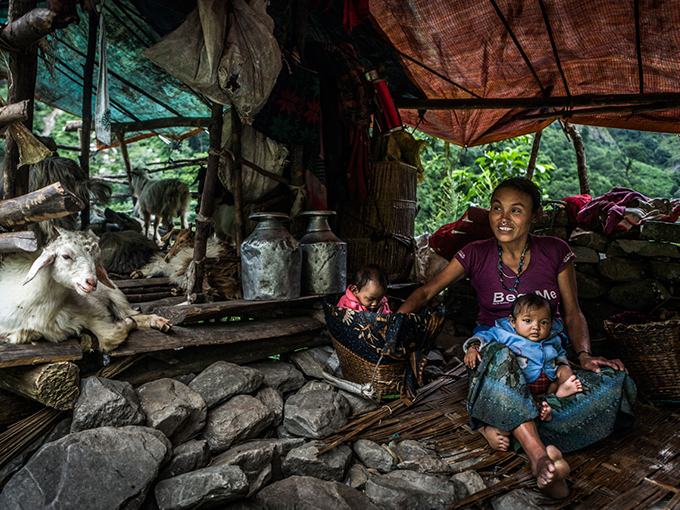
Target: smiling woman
{"points": [[510, 264]]}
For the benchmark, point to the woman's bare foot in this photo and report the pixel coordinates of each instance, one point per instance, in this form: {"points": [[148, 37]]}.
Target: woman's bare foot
{"points": [[497, 439], [569, 387], [550, 472], [544, 411]]}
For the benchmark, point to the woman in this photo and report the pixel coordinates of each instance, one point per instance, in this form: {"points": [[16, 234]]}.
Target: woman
{"points": [[512, 263]]}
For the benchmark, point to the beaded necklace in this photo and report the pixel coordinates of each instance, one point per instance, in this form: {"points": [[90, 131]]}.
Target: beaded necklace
{"points": [[501, 274]]}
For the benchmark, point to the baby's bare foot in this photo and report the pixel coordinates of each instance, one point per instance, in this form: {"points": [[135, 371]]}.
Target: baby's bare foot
{"points": [[550, 472], [569, 387], [497, 439], [544, 411]]}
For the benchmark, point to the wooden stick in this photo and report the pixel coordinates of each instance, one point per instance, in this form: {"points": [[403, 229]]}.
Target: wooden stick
{"points": [[88, 80], [12, 242], [29, 28], [169, 122], [141, 283], [17, 112], [126, 161], [52, 201], [57, 385], [581, 166], [21, 434], [238, 180], [534, 153]]}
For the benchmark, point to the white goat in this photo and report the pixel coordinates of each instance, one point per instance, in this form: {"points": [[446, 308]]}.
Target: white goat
{"points": [[55, 295], [166, 199]]}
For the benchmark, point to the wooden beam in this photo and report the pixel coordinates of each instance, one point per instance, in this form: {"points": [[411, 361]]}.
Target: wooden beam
{"points": [[239, 220], [581, 166], [532, 103], [169, 122], [29, 28], [534, 154], [57, 385], [50, 202], [151, 340], [12, 242], [13, 355], [17, 112], [196, 359], [187, 314], [604, 110], [142, 283]]}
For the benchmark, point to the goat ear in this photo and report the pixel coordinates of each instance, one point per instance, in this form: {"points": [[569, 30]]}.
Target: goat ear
{"points": [[44, 259], [103, 276], [59, 229]]}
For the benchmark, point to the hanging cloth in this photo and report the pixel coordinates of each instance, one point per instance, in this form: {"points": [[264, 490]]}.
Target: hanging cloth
{"points": [[102, 111]]}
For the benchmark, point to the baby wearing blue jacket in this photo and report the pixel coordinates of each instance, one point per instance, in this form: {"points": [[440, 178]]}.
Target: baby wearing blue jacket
{"points": [[533, 335]]}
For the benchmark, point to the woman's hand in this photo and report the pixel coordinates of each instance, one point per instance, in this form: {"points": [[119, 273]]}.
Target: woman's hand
{"points": [[594, 363], [472, 357]]}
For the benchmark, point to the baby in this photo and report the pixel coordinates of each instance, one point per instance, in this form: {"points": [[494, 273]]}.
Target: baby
{"points": [[367, 294], [533, 335]]}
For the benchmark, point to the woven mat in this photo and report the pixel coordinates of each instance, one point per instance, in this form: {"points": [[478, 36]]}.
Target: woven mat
{"points": [[630, 470]]}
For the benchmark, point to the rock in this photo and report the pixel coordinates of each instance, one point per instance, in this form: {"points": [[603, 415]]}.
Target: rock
{"points": [[661, 231], [317, 386], [435, 358], [590, 288], [623, 270], [585, 255], [243, 417], [467, 483], [106, 403], [358, 404], [596, 312], [425, 464], [372, 455], [357, 476], [559, 232], [186, 378], [647, 249], [639, 295], [593, 240], [409, 449], [208, 488], [457, 461], [106, 467], [330, 466], [255, 460], [411, 490], [519, 499], [315, 414], [282, 433], [189, 456], [173, 408], [666, 271], [280, 376], [274, 401], [221, 381], [307, 493], [313, 362]]}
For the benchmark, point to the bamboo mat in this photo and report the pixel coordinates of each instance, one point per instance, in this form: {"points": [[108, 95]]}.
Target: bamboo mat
{"points": [[631, 470]]}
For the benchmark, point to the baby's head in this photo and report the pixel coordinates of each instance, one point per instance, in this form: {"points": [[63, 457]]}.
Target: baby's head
{"points": [[370, 286], [531, 316]]}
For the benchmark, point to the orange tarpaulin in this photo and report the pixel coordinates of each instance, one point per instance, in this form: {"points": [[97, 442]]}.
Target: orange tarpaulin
{"points": [[516, 49]]}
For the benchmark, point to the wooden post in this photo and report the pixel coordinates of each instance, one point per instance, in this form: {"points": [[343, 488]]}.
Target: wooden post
{"points": [[88, 80], [126, 161], [56, 385], [581, 166], [23, 67], [534, 153], [204, 218], [50, 202], [238, 179]]}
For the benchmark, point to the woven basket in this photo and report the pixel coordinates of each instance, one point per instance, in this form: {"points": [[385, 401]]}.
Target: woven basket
{"points": [[651, 353]]}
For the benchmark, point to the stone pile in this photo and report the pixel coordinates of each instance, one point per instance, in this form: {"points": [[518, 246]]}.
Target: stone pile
{"points": [[232, 437]]}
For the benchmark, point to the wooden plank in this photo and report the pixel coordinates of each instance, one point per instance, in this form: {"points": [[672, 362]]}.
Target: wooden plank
{"points": [[142, 282], [142, 298], [151, 340], [13, 355], [196, 359], [187, 314], [151, 306]]}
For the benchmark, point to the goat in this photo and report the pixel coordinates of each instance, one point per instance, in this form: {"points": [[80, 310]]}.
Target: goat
{"points": [[74, 179], [54, 294], [166, 199], [221, 277], [125, 251]]}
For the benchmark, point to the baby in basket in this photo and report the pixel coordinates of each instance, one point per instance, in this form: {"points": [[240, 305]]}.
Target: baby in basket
{"points": [[367, 293]]}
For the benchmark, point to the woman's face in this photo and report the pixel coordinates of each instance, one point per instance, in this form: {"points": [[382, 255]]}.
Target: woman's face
{"points": [[511, 214]]}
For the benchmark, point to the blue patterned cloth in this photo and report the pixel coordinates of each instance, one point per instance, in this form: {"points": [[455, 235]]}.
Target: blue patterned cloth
{"points": [[499, 396]]}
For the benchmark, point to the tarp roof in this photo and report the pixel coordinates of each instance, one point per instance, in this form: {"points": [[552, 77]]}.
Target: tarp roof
{"points": [[449, 49]]}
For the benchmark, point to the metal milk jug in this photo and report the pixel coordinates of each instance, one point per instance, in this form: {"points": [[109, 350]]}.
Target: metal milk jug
{"points": [[271, 260], [324, 256]]}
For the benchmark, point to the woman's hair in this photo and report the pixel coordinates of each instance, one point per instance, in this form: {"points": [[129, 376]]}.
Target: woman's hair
{"points": [[370, 272], [530, 302], [525, 186]]}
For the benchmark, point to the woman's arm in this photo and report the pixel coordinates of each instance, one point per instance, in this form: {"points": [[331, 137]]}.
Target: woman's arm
{"points": [[421, 296], [575, 324]]}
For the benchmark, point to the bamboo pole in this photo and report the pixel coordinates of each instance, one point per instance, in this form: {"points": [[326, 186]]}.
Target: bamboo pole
{"points": [[238, 179]]}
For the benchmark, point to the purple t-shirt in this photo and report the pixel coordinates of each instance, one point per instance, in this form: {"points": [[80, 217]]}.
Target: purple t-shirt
{"points": [[549, 257]]}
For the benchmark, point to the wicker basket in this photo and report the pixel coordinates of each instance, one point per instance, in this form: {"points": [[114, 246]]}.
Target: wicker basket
{"points": [[651, 353]]}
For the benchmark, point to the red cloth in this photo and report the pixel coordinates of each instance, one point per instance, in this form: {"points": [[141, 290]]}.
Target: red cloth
{"points": [[612, 205], [574, 204], [540, 385], [355, 11], [349, 300], [473, 226]]}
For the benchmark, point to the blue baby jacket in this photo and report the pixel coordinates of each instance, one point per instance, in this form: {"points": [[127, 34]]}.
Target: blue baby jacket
{"points": [[533, 357]]}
